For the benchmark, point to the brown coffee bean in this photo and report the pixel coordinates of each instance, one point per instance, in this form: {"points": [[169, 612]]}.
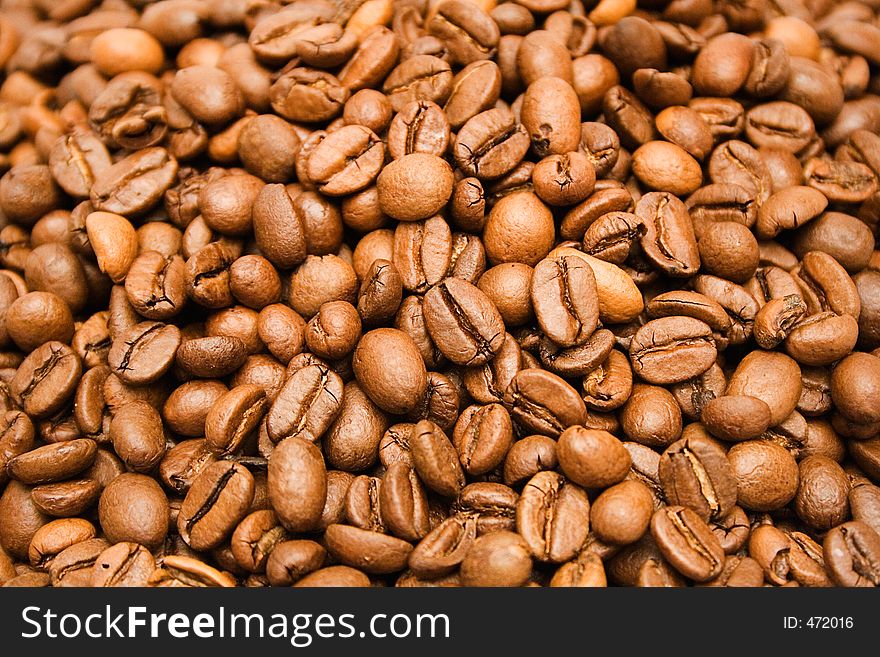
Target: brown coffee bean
{"points": [[414, 186], [463, 322], [137, 435], [297, 484], [771, 377], [553, 517], [497, 559], [123, 565], [403, 503], [290, 561], [695, 473], [543, 402], [668, 239], [672, 349], [134, 184], [822, 479], [687, 543], [369, 551], [395, 387], [563, 294], [591, 458], [435, 459], [666, 167], [444, 548], [218, 499], [145, 352], [490, 144], [53, 462], [183, 571], [144, 522], [306, 405], [621, 514], [74, 565], [483, 435], [850, 552], [766, 474], [736, 417], [233, 417]]}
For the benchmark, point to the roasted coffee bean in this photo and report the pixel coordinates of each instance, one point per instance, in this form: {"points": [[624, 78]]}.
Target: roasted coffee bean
{"points": [[736, 417], [850, 552], [592, 458], [695, 473], [463, 322], [68, 498], [497, 559], [74, 565], [46, 379], [215, 503], [233, 416], [135, 184], [395, 386], [490, 144], [435, 459], [766, 474], [445, 547], [668, 239], [403, 502], [483, 435], [297, 483], [146, 522], [53, 462], [123, 565], [687, 543], [306, 405], [137, 435], [145, 352], [672, 349], [369, 551], [543, 402], [183, 571], [563, 293], [771, 377], [553, 517]]}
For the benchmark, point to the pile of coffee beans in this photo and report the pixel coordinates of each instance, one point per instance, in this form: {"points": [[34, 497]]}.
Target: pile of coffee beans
{"points": [[439, 293]]}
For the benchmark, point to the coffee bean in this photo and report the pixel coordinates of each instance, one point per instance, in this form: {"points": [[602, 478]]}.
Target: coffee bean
{"points": [[135, 184], [850, 552], [687, 543], [592, 458], [146, 522], [736, 417], [543, 402], [695, 473], [483, 435], [435, 459], [672, 349], [297, 483], [397, 386], [766, 474], [306, 405], [182, 571], [497, 559], [137, 436], [553, 517], [216, 502], [444, 548], [145, 352], [463, 322], [369, 551]]}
